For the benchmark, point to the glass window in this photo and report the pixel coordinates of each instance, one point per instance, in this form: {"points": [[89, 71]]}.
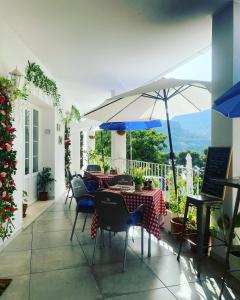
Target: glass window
{"points": [[27, 140], [35, 141]]}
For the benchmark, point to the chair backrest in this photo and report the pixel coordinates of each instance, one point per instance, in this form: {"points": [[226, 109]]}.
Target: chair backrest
{"points": [[94, 168], [217, 167], [112, 211], [78, 187], [123, 179]]}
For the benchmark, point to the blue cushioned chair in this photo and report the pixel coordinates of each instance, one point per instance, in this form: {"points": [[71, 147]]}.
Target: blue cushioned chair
{"points": [[85, 200], [114, 216]]}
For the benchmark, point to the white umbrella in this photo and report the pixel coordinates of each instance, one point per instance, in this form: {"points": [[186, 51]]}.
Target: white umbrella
{"points": [[164, 98]]}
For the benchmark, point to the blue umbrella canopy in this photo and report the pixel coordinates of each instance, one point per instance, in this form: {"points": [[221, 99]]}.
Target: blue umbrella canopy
{"points": [[134, 125], [229, 103]]}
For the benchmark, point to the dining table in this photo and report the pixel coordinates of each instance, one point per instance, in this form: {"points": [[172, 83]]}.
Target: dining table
{"points": [[154, 208], [103, 180]]}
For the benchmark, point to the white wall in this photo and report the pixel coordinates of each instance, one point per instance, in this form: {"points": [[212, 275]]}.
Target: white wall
{"points": [[13, 52], [118, 150]]}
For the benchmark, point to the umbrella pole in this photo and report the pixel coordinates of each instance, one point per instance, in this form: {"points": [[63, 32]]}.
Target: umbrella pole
{"points": [[102, 146], [170, 143], [130, 145]]}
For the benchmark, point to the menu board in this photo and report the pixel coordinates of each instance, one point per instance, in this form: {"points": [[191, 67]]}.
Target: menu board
{"points": [[217, 165]]}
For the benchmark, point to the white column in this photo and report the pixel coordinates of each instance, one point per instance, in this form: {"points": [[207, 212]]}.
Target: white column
{"points": [[118, 151], [75, 147], [189, 176], [225, 73]]}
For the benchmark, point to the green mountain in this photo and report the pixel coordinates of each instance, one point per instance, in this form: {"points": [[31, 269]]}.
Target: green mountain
{"points": [[190, 132]]}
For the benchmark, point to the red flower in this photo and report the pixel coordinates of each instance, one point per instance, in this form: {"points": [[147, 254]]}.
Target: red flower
{"points": [[2, 99], [13, 208], [12, 182], [5, 217]]}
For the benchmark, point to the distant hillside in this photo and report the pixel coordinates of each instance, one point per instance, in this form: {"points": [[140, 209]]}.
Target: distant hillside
{"points": [[190, 132]]}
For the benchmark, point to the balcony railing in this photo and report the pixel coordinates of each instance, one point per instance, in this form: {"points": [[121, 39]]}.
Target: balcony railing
{"points": [[190, 177]]}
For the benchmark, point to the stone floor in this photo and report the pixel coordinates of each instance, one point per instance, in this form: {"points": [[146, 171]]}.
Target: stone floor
{"points": [[46, 265]]}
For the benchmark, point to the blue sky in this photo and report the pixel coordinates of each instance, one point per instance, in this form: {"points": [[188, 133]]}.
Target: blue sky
{"points": [[198, 68]]}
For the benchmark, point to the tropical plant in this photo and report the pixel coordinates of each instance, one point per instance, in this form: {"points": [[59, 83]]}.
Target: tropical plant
{"points": [[67, 144], [105, 166], [44, 178], [72, 115], [138, 175]]}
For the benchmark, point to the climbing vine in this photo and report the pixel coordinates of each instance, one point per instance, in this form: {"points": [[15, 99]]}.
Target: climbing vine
{"points": [[7, 158], [67, 143]]}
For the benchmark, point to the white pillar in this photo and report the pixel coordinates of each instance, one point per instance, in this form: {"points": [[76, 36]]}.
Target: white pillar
{"points": [[75, 147], [189, 176], [118, 151], [225, 73]]}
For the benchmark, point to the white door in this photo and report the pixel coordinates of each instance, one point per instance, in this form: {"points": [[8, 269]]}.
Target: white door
{"points": [[31, 151]]}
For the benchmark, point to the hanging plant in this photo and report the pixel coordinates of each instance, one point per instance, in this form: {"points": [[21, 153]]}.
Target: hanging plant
{"points": [[36, 76], [7, 159]]}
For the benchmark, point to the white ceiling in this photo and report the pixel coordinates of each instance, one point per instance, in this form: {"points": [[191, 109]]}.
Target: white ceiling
{"points": [[94, 46]]}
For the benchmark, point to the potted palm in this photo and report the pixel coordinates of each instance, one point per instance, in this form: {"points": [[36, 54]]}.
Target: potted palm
{"points": [[43, 180], [138, 178], [25, 203], [106, 167]]}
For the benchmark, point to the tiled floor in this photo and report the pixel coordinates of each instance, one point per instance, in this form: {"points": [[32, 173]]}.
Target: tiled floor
{"points": [[46, 265]]}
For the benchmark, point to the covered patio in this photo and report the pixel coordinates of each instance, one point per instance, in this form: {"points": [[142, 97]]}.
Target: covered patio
{"points": [[77, 223]]}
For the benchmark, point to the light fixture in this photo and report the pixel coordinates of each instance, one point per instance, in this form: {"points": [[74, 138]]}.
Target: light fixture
{"points": [[15, 77]]}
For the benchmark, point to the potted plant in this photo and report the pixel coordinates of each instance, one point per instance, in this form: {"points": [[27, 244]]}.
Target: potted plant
{"points": [[43, 180], [138, 178], [106, 167], [25, 202], [120, 132]]}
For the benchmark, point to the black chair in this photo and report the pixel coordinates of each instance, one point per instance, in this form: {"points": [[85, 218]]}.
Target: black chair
{"points": [[69, 178], [93, 168], [113, 216], [123, 180], [85, 201]]}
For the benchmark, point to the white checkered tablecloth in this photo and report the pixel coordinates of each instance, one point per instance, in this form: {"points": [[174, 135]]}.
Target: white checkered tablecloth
{"points": [[101, 178], [154, 207]]}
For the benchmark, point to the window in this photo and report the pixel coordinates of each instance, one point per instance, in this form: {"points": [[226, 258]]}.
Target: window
{"points": [[27, 141], [31, 141], [35, 141]]}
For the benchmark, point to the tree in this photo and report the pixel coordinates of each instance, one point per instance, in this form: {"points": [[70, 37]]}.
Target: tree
{"points": [[147, 145], [103, 143], [198, 159]]}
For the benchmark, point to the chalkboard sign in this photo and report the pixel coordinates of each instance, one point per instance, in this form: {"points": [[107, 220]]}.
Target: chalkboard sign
{"points": [[217, 166]]}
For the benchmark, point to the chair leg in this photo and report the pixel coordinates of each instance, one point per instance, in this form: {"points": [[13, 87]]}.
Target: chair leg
{"points": [[125, 252], [142, 242], [67, 195], [94, 249], [70, 201], [183, 229], [149, 245], [74, 224], [84, 224]]}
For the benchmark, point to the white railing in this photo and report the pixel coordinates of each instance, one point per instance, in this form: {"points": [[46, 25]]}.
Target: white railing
{"points": [[163, 173]]}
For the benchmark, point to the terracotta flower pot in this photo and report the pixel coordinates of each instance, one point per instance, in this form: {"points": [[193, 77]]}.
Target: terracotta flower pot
{"points": [[138, 187], [177, 226], [25, 205], [43, 196]]}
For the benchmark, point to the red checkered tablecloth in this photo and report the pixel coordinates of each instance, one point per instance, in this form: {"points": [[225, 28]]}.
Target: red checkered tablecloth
{"points": [[154, 207], [102, 179]]}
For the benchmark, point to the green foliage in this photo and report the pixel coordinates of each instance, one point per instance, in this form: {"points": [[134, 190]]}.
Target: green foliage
{"points": [[67, 144], [198, 159], [44, 178], [13, 93], [72, 115], [146, 145], [138, 175], [105, 166], [7, 159], [35, 75], [25, 197], [103, 143]]}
